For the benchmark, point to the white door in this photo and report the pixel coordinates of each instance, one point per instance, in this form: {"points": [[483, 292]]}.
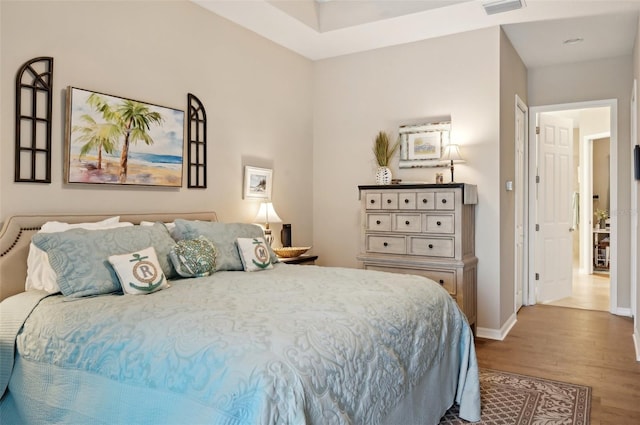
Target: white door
{"points": [[519, 192], [554, 246]]}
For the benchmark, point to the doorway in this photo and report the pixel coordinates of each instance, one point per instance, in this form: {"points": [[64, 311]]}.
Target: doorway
{"points": [[593, 127]]}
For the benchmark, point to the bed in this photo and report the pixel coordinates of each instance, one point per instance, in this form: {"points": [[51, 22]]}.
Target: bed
{"points": [[283, 344]]}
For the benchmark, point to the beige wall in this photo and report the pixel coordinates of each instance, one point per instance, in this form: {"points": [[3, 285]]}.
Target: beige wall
{"points": [[588, 81], [601, 167], [356, 96], [513, 81], [257, 96]]}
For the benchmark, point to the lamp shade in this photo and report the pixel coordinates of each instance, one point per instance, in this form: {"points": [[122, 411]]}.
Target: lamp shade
{"points": [[267, 214], [452, 153]]}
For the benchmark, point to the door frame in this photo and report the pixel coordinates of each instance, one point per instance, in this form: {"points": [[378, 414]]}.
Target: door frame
{"points": [[635, 245], [523, 186], [586, 195], [530, 283]]}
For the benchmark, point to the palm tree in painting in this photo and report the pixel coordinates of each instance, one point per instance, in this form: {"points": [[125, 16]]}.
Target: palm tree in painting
{"points": [[134, 120], [97, 136], [137, 120]]}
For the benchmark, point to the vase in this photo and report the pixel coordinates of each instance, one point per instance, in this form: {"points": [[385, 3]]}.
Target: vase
{"points": [[383, 175]]}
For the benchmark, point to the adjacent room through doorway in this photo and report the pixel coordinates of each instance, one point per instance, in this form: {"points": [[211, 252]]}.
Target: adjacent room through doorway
{"points": [[589, 229]]}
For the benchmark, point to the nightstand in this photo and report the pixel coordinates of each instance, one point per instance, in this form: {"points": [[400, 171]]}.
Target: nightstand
{"points": [[302, 259]]}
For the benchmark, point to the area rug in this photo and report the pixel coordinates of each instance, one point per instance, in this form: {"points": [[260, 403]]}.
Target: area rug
{"points": [[509, 398]]}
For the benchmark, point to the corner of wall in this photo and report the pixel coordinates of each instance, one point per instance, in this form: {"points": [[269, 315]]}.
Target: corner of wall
{"points": [[497, 334]]}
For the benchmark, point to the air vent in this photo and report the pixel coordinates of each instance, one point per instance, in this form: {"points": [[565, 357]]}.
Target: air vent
{"points": [[491, 7]]}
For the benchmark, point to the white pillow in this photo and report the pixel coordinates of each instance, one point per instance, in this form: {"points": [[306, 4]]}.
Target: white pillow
{"points": [[170, 226], [139, 272], [254, 254], [40, 275], [59, 226]]}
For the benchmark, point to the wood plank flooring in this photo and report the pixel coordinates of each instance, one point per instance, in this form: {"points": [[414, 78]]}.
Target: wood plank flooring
{"points": [[593, 348], [589, 291]]}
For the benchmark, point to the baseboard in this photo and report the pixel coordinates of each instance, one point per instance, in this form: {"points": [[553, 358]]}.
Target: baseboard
{"points": [[619, 311], [497, 334], [636, 343]]}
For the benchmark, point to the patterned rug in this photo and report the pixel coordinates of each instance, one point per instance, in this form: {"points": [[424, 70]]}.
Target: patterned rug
{"points": [[508, 398]]}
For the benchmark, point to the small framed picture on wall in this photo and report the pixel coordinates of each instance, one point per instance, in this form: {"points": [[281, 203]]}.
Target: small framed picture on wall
{"points": [[257, 183]]}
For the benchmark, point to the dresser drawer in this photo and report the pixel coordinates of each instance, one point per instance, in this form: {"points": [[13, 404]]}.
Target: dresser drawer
{"points": [[407, 201], [445, 279], [440, 224], [433, 247], [389, 201], [407, 223], [445, 201], [425, 201], [386, 244], [379, 222], [373, 201]]}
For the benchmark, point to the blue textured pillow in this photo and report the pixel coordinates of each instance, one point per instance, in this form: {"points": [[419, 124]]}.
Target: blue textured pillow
{"points": [[80, 257], [223, 236]]}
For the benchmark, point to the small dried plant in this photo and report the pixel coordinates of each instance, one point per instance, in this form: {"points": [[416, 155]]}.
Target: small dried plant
{"points": [[601, 214], [383, 149]]}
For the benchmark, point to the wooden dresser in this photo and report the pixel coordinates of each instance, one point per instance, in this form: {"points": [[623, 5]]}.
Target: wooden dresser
{"points": [[423, 229]]}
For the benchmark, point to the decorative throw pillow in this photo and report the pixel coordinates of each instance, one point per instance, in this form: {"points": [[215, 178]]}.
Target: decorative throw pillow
{"points": [[223, 236], [254, 254], [139, 272], [80, 257], [194, 257], [40, 275]]}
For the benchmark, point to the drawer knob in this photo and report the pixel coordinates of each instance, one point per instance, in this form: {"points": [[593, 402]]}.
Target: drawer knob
{"points": [[406, 201], [425, 200], [373, 201], [407, 222], [441, 281], [377, 221], [385, 244], [388, 201], [444, 201], [430, 246], [438, 223]]}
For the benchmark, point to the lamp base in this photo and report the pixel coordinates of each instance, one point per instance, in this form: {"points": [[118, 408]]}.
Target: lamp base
{"points": [[268, 236], [452, 171]]}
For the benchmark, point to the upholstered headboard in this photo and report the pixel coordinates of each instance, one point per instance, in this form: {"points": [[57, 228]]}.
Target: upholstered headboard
{"points": [[17, 231]]}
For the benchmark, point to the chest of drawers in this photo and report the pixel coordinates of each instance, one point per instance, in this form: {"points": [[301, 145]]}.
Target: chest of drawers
{"points": [[423, 229]]}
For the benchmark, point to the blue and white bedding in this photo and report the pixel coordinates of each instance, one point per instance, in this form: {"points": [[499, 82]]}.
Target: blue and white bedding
{"points": [[291, 345]]}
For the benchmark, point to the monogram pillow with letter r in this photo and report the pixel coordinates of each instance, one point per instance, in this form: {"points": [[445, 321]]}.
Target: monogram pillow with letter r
{"points": [[139, 272]]}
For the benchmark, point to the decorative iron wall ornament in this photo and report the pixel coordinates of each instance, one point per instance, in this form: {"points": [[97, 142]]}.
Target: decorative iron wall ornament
{"points": [[34, 100], [197, 148]]}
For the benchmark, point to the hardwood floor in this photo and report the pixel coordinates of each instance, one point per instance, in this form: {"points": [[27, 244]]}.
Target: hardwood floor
{"points": [[590, 292], [593, 348]]}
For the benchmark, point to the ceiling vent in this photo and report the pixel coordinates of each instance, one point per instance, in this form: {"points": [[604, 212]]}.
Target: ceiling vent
{"points": [[491, 7]]}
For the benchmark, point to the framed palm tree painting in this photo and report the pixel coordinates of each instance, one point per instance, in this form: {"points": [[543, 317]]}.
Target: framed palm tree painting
{"points": [[114, 140]]}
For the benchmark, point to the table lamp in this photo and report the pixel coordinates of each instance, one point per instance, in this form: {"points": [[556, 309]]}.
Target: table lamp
{"points": [[452, 153], [267, 214]]}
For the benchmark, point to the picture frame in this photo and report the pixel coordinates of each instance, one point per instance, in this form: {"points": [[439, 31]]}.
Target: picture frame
{"points": [[257, 183], [119, 141], [422, 145]]}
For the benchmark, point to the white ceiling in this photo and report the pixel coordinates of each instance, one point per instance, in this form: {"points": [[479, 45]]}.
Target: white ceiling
{"points": [[319, 29]]}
